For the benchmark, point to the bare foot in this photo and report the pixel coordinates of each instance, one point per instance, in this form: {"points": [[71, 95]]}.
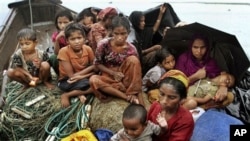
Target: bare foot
{"points": [[82, 98], [133, 99], [65, 101], [49, 85]]}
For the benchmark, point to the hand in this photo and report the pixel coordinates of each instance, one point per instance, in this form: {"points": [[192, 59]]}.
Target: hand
{"points": [[118, 76], [157, 47], [33, 81], [123, 138], [165, 31], [221, 94], [163, 8], [162, 120], [201, 73], [182, 23], [60, 34], [73, 79]]}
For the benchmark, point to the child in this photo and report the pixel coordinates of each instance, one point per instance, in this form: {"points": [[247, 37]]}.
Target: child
{"points": [[136, 126], [30, 64], [86, 18], [62, 19], [75, 65], [203, 92], [166, 62]]}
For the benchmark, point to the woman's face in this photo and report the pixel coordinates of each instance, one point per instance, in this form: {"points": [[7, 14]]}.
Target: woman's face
{"points": [[199, 49], [169, 98], [142, 23], [169, 62], [120, 35]]}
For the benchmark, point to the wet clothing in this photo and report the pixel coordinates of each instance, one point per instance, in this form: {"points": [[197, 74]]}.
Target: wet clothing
{"points": [[78, 63], [146, 135], [19, 61], [62, 41], [144, 40], [96, 33], [203, 88], [126, 62], [53, 58], [188, 64], [153, 75], [82, 84], [180, 126]]}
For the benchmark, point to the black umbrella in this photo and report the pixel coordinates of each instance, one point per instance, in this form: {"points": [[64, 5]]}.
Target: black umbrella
{"points": [[225, 47]]}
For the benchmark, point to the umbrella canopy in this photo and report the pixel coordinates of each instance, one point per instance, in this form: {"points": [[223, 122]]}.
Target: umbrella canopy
{"points": [[225, 48]]}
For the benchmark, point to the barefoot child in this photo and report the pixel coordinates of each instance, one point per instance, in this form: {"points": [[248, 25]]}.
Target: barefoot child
{"points": [[136, 126], [30, 64], [75, 65]]}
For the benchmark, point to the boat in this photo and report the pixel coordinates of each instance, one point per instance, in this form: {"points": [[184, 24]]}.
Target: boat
{"points": [[38, 15]]}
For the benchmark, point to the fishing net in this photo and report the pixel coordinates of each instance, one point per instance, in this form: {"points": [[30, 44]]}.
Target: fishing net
{"points": [[108, 115], [26, 111]]}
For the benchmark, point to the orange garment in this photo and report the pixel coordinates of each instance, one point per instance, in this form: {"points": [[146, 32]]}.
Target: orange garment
{"points": [[130, 84], [78, 63], [97, 32]]}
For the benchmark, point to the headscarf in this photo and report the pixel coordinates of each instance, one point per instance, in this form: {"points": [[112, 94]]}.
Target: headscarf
{"points": [[135, 18], [188, 64], [104, 13], [144, 37], [176, 74]]}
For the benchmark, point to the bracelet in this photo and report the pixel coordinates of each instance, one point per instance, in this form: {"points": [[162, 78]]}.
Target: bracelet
{"points": [[158, 20]]}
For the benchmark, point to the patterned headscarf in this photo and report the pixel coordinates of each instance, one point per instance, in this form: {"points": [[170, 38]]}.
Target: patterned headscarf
{"points": [[104, 13], [178, 75]]}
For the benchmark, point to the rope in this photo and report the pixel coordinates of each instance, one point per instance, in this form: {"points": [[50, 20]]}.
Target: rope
{"points": [[66, 122], [26, 112]]}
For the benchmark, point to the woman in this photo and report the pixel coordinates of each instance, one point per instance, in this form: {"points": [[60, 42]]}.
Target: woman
{"points": [[119, 66], [144, 37], [180, 121], [197, 64], [101, 29]]}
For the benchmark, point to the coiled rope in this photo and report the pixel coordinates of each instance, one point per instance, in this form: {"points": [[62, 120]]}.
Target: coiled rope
{"points": [[24, 115]]}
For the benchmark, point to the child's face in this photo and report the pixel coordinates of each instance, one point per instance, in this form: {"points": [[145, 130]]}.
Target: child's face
{"points": [[27, 45], [62, 22], [227, 79], [120, 35], [76, 40], [87, 21], [169, 62], [133, 127]]}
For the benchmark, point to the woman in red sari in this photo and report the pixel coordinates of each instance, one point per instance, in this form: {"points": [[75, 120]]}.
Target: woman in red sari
{"points": [[180, 121]]}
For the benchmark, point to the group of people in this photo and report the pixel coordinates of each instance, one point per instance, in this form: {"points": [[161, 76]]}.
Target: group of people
{"points": [[93, 56]]}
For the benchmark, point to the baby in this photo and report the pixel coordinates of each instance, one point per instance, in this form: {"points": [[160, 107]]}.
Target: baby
{"points": [[204, 91], [136, 126]]}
